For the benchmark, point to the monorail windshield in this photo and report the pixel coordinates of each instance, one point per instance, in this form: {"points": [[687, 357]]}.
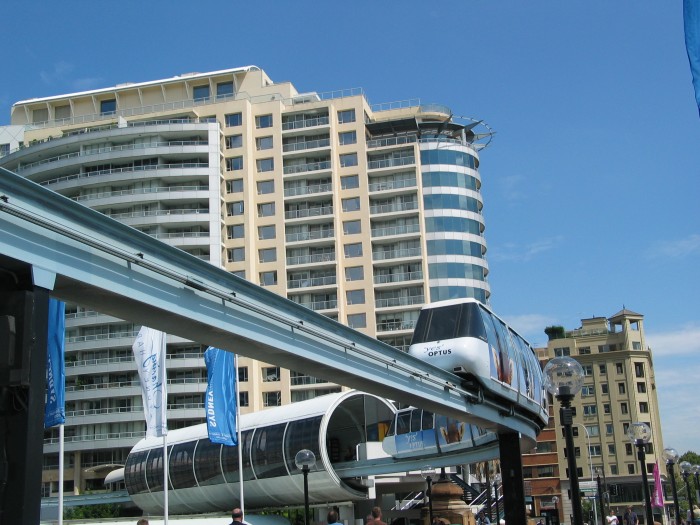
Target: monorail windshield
{"points": [[449, 322]]}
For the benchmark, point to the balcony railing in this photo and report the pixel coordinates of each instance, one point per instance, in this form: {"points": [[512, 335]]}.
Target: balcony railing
{"points": [[308, 190], [136, 435], [394, 207], [314, 258], [391, 326], [309, 235], [395, 254], [321, 305], [312, 281], [309, 144], [391, 141], [138, 191], [398, 277], [157, 213], [130, 169], [101, 337], [393, 184], [309, 212], [311, 166], [390, 163], [305, 123], [399, 301], [307, 380], [396, 230]]}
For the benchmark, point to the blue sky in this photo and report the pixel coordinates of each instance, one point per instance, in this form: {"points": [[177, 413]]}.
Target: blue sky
{"points": [[591, 186]]}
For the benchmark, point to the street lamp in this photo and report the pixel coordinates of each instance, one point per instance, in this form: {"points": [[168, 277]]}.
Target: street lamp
{"points": [[555, 500], [670, 455], [427, 472], [496, 481], [563, 379], [639, 434], [305, 460], [686, 468], [600, 496], [590, 463], [696, 471]]}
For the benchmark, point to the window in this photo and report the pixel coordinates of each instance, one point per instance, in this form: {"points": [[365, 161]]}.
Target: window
{"points": [[588, 390], [108, 107], [352, 204], [224, 89], [267, 255], [625, 428], [590, 410], [272, 399], [263, 121], [234, 186], [234, 163], [233, 119], [630, 468], [584, 350], [265, 164], [236, 231], [562, 352], [644, 407], [243, 399], [266, 186], [42, 115], [349, 182], [587, 370], [353, 250], [268, 278], [604, 388], [352, 227], [621, 388], [642, 387], [636, 345], [527, 471], [236, 208], [623, 408], [266, 232], [239, 273], [4, 150], [639, 369], [357, 320], [234, 141], [545, 471], [354, 273], [200, 92], [618, 368], [613, 470], [596, 450], [346, 116], [61, 112], [602, 369], [236, 254], [242, 374], [608, 429], [348, 159], [262, 143], [347, 137], [593, 430], [355, 296], [611, 448], [270, 374], [266, 209]]}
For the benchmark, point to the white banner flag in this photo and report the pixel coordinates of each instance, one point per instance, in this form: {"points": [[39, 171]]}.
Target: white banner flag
{"points": [[149, 354]]}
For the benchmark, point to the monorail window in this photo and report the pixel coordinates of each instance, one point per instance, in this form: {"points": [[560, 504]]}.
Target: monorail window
{"points": [[416, 416], [180, 467], [135, 472], [428, 420], [403, 423], [449, 322], [229, 459], [267, 457], [302, 434], [207, 462], [154, 469]]}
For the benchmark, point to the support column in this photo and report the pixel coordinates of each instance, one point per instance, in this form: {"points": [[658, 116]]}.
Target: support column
{"points": [[512, 472], [24, 317]]}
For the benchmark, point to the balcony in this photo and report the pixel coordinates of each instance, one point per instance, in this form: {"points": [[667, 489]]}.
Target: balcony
{"points": [[390, 163], [396, 254], [313, 235], [396, 230], [393, 207], [391, 141], [304, 168], [311, 258], [312, 281], [321, 305], [398, 277], [392, 326], [389, 302], [309, 212], [139, 191], [392, 185], [308, 190], [310, 144], [305, 123]]}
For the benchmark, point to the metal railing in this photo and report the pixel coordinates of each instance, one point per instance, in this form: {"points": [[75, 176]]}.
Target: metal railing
{"points": [[310, 144], [314, 258], [97, 173], [311, 166], [395, 254], [312, 281], [309, 235], [305, 123], [392, 326], [308, 190], [394, 207], [139, 191], [309, 212], [157, 213], [391, 141], [392, 185], [390, 163], [396, 230], [398, 277], [399, 301]]}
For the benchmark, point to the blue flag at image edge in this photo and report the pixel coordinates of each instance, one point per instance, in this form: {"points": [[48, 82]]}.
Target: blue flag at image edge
{"points": [[691, 22], [55, 407], [221, 397]]}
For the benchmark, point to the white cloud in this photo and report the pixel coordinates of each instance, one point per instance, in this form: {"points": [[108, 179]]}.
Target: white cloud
{"points": [[676, 385], [682, 341], [525, 252], [677, 248], [531, 326]]}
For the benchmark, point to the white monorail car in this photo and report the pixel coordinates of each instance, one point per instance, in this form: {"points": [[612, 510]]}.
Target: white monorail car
{"points": [[465, 337], [204, 477]]}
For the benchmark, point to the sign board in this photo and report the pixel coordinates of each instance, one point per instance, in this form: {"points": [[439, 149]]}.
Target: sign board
{"points": [[588, 488]]}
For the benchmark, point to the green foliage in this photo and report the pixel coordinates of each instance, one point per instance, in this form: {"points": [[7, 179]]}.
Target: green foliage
{"points": [[105, 510], [554, 332]]}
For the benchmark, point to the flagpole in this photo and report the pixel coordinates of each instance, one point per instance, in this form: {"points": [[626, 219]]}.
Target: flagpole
{"points": [[60, 473], [240, 443], [164, 430], [165, 479]]}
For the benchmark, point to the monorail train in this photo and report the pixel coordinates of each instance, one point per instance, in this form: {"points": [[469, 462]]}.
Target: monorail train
{"points": [[204, 477], [418, 432], [465, 337]]}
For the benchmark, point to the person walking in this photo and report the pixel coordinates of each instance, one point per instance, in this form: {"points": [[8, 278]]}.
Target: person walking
{"points": [[237, 517], [612, 518], [482, 518], [376, 517], [332, 517]]}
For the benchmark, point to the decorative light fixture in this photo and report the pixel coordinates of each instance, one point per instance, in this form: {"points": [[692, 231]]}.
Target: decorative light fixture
{"points": [[640, 434], [671, 456], [686, 470], [428, 472], [305, 460]]}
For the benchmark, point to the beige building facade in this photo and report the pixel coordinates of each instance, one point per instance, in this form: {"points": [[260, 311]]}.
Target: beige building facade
{"points": [[362, 213]]}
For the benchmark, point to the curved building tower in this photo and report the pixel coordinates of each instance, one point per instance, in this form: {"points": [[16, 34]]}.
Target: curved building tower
{"points": [[363, 213]]}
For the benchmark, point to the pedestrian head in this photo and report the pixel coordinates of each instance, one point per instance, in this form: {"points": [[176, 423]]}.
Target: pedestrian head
{"points": [[332, 516], [142, 521], [376, 513], [237, 514]]}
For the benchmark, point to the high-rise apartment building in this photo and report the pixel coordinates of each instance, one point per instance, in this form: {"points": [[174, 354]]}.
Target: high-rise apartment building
{"points": [[363, 213], [619, 389]]}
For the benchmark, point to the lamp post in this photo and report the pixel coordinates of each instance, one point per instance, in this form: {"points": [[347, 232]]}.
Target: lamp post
{"points": [[563, 379], [670, 455], [686, 468], [555, 500], [590, 466], [639, 434], [427, 472], [496, 481], [305, 460], [696, 472], [600, 496]]}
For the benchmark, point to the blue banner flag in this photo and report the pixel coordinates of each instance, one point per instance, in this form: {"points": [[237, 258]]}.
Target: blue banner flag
{"points": [[55, 407], [221, 396], [691, 22]]}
